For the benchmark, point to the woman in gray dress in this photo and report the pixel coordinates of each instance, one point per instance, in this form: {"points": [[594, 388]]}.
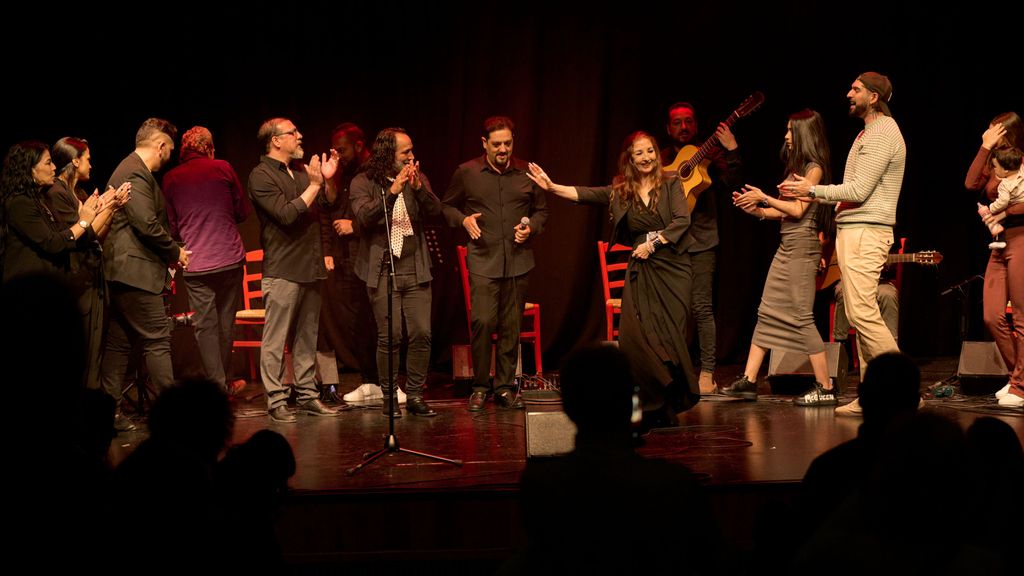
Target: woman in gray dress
{"points": [[785, 320], [648, 212]]}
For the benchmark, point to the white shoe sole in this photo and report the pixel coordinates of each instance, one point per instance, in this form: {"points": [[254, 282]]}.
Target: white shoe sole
{"points": [[1003, 391], [1011, 401]]}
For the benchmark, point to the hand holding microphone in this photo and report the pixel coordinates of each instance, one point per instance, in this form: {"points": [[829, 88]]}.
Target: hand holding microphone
{"points": [[523, 230]]}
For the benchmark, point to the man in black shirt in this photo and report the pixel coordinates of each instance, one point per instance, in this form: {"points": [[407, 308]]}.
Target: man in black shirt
{"points": [[725, 176], [293, 263], [501, 209], [346, 317], [392, 176]]}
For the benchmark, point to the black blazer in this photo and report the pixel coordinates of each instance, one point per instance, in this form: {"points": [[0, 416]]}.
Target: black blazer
{"points": [[671, 207], [373, 242], [139, 246]]}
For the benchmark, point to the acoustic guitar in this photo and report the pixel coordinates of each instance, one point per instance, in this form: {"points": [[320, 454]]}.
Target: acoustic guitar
{"points": [[691, 162], [830, 274]]}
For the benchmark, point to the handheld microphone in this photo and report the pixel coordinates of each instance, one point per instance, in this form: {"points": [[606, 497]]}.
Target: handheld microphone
{"points": [[524, 222]]}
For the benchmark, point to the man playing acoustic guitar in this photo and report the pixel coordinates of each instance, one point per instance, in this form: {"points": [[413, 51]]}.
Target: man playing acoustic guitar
{"points": [[726, 176]]}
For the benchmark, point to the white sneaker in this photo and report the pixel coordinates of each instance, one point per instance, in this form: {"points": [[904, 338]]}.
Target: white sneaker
{"points": [[851, 409], [1003, 391], [996, 245], [365, 393], [1012, 401]]}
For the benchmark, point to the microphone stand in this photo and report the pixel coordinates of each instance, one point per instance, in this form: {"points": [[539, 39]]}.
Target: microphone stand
{"points": [[391, 441], [959, 292]]}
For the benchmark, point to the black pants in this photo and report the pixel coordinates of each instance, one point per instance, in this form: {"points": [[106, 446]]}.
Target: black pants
{"points": [[137, 317], [214, 299], [497, 307], [346, 321]]}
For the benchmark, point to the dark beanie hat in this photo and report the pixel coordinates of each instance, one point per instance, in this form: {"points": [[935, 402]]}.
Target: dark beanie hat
{"points": [[880, 85]]}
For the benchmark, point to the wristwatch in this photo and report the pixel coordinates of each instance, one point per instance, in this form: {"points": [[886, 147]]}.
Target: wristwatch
{"points": [[810, 193], [84, 224]]}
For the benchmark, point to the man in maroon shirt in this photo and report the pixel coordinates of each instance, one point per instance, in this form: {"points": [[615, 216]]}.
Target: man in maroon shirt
{"points": [[204, 203]]}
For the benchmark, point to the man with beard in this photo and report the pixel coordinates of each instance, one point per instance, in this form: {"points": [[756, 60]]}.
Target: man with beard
{"points": [[502, 209], [346, 317], [725, 175], [136, 253], [391, 195], [285, 199], [865, 214]]}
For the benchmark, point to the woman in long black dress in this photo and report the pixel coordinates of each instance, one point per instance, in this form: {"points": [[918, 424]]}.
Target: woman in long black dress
{"points": [[649, 213], [73, 162]]}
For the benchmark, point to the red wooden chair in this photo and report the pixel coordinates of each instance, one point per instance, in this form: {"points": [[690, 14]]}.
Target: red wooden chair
{"points": [[528, 333], [252, 317], [613, 278]]}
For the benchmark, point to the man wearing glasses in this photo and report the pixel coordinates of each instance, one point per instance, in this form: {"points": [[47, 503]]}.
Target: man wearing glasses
{"points": [[285, 193]]}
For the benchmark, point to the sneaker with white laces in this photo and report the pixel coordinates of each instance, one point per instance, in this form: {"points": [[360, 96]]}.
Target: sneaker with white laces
{"points": [[367, 392], [1012, 401], [1003, 391], [817, 396]]}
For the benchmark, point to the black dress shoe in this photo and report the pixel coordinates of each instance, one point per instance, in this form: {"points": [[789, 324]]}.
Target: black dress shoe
{"points": [[384, 409], [417, 406], [505, 399], [741, 388], [281, 414], [122, 423], [477, 401], [316, 408]]}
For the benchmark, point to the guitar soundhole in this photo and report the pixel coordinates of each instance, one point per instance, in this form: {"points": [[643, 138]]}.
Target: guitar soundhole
{"points": [[684, 171]]}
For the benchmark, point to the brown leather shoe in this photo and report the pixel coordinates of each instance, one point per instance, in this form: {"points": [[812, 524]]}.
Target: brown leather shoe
{"points": [[281, 414], [477, 401], [316, 408], [417, 406]]}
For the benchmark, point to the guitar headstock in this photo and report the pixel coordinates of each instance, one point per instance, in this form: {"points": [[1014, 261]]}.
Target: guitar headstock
{"points": [[928, 257], [753, 102]]}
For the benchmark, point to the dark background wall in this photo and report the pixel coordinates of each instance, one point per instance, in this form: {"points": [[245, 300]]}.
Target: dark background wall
{"points": [[577, 79]]}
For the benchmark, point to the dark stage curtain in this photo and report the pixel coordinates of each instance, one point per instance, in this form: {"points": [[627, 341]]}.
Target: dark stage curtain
{"points": [[576, 79]]}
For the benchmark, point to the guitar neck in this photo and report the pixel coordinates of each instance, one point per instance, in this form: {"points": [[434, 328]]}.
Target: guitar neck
{"points": [[900, 258], [708, 145]]}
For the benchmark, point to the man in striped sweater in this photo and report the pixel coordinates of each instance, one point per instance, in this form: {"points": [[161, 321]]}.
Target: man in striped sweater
{"points": [[865, 214]]}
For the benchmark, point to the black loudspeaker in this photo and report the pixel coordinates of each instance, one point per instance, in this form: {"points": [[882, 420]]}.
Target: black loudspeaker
{"points": [[549, 434], [790, 373], [981, 369]]}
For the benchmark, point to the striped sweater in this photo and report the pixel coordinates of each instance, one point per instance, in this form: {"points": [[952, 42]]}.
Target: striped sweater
{"points": [[871, 183]]}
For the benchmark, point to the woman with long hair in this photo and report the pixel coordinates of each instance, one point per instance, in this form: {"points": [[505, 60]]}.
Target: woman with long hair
{"points": [[72, 160], [33, 239], [785, 318], [1004, 275], [648, 212]]}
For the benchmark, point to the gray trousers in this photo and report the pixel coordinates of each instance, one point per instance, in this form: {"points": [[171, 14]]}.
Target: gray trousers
{"points": [[701, 303], [292, 308]]}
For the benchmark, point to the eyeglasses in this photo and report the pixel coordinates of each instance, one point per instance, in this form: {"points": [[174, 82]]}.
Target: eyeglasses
{"points": [[293, 132]]}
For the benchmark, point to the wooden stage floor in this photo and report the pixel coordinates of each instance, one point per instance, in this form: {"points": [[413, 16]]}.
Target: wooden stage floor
{"points": [[404, 510]]}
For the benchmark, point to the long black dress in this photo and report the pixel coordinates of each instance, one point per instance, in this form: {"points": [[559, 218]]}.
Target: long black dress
{"points": [[656, 297]]}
